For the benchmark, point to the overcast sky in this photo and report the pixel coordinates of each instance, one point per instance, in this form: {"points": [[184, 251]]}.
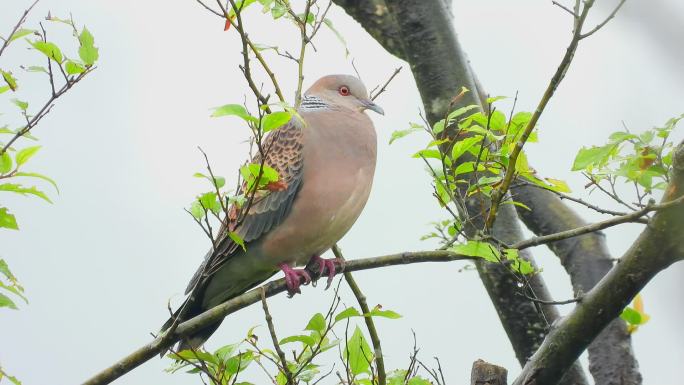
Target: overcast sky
{"points": [[100, 263]]}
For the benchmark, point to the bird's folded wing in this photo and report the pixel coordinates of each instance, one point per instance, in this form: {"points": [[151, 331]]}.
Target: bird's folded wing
{"points": [[282, 150]]}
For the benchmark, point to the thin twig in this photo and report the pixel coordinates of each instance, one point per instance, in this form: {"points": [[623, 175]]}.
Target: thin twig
{"points": [[563, 7], [591, 228], [276, 344], [604, 22], [544, 302], [370, 324], [500, 192], [21, 21], [384, 86]]}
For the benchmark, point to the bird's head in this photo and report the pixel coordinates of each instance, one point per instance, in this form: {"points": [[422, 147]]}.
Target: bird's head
{"points": [[344, 90]]}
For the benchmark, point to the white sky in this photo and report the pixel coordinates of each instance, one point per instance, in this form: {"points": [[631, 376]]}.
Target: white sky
{"points": [[100, 264]]}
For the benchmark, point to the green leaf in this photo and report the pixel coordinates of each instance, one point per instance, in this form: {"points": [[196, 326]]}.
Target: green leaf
{"points": [[5, 163], [237, 239], [20, 33], [39, 176], [226, 352], [316, 323], [592, 157], [194, 356], [37, 69], [7, 220], [210, 202], [218, 181], [402, 133], [4, 89], [493, 99], [25, 154], [347, 313], [378, 312], [497, 121], [251, 172], [462, 146], [518, 264], [241, 5], [278, 10], [74, 68], [337, 33], [239, 362], [457, 113], [558, 185], [6, 302], [19, 189], [87, 51], [48, 49], [417, 380], [234, 110], [467, 167], [4, 269], [196, 210], [306, 340], [620, 136], [478, 249], [357, 353], [428, 154], [631, 316], [275, 120], [21, 104], [438, 127], [9, 79]]}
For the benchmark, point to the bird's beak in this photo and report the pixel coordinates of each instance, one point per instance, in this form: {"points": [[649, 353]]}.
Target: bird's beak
{"points": [[369, 105]]}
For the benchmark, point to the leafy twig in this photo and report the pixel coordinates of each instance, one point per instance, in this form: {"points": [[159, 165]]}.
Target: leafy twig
{"points": [[557, 78], [370, 324]]}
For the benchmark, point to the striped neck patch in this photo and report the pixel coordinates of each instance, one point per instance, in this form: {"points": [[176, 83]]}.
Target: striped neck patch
{"points": [[310, 102]]}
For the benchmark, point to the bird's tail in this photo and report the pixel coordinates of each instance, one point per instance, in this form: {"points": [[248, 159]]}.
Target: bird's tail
{"points": [[190, 308]]}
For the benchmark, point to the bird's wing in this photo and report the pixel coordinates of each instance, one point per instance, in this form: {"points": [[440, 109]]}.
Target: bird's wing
{"points": [[282, 150]]}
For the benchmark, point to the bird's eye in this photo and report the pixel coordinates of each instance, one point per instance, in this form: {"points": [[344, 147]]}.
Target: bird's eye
{"points": [[344, 91]]}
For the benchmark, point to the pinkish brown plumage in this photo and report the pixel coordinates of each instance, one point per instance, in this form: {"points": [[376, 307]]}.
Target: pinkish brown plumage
{"points": [[326, 162]]}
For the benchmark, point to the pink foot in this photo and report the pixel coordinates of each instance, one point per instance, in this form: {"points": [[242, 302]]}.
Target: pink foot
{"points": [[293, 278], [326, 265]]}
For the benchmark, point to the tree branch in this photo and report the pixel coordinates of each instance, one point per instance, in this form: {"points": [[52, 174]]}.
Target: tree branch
{"points": [[555, 81], [594, 227], [370, 324], [21, 21], [270, 289], [440, 68], [658, 246]]}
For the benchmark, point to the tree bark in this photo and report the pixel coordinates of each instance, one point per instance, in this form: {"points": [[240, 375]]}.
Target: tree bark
{"points": [[611, 357], [484, 373], [659, 245], [429, 44], [587, 260]]}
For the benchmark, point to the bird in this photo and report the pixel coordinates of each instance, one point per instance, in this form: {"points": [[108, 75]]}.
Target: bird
{"points": [[325, 157]]}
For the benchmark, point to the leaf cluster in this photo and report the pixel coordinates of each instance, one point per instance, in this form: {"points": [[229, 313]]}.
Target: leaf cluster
{"points": [[321, 334]]}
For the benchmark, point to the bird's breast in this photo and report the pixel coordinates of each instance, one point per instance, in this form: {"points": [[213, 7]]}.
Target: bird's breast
{"points": [[337, 180]]}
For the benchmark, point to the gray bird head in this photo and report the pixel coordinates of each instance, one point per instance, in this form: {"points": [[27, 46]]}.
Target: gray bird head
{"points": [[344, 90]]}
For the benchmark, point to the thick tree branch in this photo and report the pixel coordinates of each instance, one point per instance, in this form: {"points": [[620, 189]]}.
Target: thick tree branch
{"points": [[441, 69], [658, 246], [213, 315]]}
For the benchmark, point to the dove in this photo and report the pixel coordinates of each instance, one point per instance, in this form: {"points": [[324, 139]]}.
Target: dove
{"points": [[325, 159]]}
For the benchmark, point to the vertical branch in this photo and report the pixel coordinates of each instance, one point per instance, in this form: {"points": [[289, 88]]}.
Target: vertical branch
{"points": [[557, 78], [276, 344], [370, 324], [302, 51]]}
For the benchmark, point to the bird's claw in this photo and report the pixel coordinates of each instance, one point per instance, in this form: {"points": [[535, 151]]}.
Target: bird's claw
{"points": [[293, 279], [327, 265]]}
